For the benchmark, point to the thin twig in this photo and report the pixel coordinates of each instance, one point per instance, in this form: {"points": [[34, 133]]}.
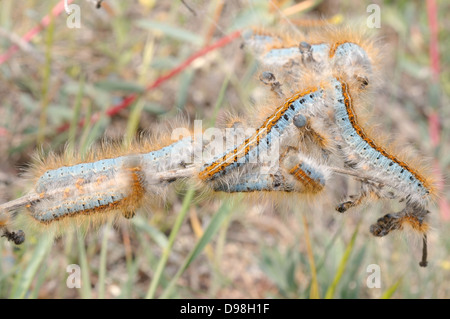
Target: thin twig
{"points": [[189, 8], [21, 43]]}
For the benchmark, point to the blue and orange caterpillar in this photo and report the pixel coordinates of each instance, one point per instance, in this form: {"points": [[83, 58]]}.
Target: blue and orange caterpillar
{"points": [[296, 173], [110, 184], [273, 127], [323, 51], [111, 181], [313, 125], [349, 62]]}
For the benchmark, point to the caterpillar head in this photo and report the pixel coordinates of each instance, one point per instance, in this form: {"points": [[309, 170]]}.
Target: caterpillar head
{"points": [[411, 217], [353, 60]]}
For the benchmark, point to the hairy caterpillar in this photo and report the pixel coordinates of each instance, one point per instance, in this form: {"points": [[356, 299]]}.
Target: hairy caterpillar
{"points": [[348, 63], [372, 158], [273, 126], [100, 188], [320, 81], [323, 50], [362, 148]]}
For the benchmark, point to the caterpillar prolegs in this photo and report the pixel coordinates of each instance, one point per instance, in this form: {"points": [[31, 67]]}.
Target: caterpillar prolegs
{"points": [[308, 128]]}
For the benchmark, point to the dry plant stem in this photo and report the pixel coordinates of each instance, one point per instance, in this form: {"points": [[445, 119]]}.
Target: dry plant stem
{"points": [[424, 262]]}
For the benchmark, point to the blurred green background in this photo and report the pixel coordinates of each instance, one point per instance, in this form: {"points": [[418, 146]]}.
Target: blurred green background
{"points": [[227, 247]]}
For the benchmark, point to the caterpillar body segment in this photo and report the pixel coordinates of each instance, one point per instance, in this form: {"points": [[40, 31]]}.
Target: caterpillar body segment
{"points": [[370, 157], [119, 184], [165, 158], [123, 191], [308, 172], [257, 182], [258, 42], [326, 50], [296, 173], [273, 127]]}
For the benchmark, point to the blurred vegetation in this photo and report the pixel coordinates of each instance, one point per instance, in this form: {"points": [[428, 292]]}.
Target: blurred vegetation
{"points": [[220, 248]]}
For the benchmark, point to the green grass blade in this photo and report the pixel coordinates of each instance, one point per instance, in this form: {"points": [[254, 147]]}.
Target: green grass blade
{"points": [[314, 291], [40, 279], [94, 134], [133, 121], [171, 31], [391, 290], [215, 224], [342, 265], [75, 118], [86, 292], [132, 271], [83, 141], [30, 271], [153, 232], [328, 247], [166, 252], [102, 268], [120, 85], [220, 100]]}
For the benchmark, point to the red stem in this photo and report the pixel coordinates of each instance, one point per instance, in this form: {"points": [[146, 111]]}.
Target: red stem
{"points": [[127, 101], [434, 119], [56, 11], [434, 43]]}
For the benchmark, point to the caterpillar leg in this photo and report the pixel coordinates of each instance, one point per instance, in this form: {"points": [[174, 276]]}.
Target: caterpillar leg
{"points": [[269, 78], [412, 216], [128, 214], [312, 56], [16, 237], [363, 80], [424, 262], [306, 52], [356, 200], [371, 190]]}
